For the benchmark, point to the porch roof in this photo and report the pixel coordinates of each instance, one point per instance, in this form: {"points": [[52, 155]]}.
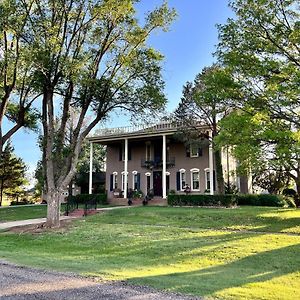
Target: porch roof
{"points": [[139, 131]]}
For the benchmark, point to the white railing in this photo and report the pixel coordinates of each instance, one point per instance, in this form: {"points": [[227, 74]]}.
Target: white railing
{"points": [[144, 128]]}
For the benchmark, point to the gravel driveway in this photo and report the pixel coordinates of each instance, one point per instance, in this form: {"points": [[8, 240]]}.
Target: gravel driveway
{"points": [[27, 283]]}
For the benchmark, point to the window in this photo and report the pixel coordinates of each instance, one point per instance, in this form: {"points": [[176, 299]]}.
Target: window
{"points": [[123, 181], [148, 175], [194, 150], [195, 179], [148, 151], [182, 179], [115, 180], [207, 179], [135, 180]]}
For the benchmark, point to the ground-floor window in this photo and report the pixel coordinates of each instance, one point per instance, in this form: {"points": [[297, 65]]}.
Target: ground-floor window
{"points": [[207, 180], [148, 181], [195, 179], [182, 179], [115, 180], [123, 181]]}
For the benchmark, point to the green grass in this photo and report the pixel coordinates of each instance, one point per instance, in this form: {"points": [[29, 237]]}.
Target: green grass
{"points": [[22, 212], [204, 252]]}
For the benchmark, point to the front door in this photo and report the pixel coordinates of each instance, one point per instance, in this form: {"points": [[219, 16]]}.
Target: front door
{"points": [[157, 183]]}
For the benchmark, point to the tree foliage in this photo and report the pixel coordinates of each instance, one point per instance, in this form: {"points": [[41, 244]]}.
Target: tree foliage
{"points": [[261, 48], [17, 92], [89, 57], [12, 172], [205, 102]]}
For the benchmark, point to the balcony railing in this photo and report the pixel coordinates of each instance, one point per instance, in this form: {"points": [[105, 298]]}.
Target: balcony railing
{"points": [[157, 163], [145, 128]]}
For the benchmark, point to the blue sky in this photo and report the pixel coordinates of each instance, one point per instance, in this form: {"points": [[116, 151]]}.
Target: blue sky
{"points": [[187, 48]]}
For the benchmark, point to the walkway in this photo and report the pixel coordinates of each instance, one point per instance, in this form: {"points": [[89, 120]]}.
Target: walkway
{"points": [[8, 225]]}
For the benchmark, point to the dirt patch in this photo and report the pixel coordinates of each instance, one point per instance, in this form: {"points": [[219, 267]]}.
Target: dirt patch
{"points": [[65, 225]]}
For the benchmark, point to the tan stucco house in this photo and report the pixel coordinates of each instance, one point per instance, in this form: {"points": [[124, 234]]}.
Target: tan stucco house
{"points": [[154, 159]]}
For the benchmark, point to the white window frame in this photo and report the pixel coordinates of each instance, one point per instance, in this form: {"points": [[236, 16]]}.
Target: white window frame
{"points": [[207, 179], [195, 171], [115, 180], [182, 173], [134, 179], [123, 180], [193, 147]]}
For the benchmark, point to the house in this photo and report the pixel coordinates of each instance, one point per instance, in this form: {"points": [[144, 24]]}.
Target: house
{"points": [[153, 158]]}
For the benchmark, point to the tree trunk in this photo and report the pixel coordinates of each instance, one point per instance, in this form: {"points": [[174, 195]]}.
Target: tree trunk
{"points": [[219, 172], [1, 192], [53, 208]]}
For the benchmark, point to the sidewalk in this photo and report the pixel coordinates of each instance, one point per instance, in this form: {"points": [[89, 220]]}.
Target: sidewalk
{"points": [[8, 225]]}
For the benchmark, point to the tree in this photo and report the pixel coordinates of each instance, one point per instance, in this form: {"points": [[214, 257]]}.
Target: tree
{"points": [[261, 48], [91, 57], [205, 101], [17, 92], [12, 171]]}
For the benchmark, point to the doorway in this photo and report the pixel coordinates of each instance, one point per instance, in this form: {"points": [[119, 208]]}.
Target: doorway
{"points": [[157, 183]]}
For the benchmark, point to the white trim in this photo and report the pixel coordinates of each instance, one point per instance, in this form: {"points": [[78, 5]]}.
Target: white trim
{"points": [[206, 170], [182, 170], [211, 161], [134, 172], [193, 147], [168, 173], [148, 174], [123, 173], [195, 171], [182, 186], [115, 180], [164, 167]]}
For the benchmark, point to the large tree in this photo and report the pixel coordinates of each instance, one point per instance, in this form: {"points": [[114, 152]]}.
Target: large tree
{"points": [[17, 92], [206, 101], [90, 57], [261, 47]]}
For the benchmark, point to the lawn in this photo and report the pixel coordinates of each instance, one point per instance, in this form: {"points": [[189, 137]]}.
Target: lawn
{"points": [[244, 253], [22, 212]]}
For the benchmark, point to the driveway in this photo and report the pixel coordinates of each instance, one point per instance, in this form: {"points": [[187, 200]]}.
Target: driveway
{"points": [[18, 283]]}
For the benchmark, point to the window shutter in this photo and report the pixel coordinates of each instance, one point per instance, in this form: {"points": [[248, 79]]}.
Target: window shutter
{"points": [[188, 152], [200, 151], [138, 175], [214, 185], [178, 181], [111, 181]]}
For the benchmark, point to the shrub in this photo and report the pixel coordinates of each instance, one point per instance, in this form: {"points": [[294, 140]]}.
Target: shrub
{"points": [[83, 198], [261, 200], [23, 201], [201, 200]]}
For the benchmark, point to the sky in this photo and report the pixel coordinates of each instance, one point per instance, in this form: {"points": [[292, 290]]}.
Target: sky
{"points": [[187, 48]]}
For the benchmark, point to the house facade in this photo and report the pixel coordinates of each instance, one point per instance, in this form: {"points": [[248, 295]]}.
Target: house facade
{"points": [[153, 158]]}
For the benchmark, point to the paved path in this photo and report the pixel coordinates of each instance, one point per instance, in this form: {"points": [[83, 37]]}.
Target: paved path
{"points": [[23, 283], [8, 225]]}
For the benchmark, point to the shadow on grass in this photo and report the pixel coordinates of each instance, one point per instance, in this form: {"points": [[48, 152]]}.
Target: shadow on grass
{"points": [[251, 269]]}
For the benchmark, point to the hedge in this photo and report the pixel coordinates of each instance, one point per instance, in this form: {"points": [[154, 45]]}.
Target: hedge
{"points": [[201, 200], [260, 200], [226, 200], [83, 198]]}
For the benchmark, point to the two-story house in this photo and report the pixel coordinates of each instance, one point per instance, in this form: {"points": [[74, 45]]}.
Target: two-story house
{"points": [[152, 158]]}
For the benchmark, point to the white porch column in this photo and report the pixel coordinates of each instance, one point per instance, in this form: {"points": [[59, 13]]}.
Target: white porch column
{"points": [[211, 164], [164, 169], [91, 169], [125, 168]]}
